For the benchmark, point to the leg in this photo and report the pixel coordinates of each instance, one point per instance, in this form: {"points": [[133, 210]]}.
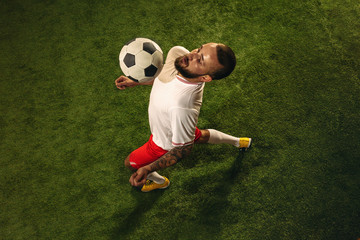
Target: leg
{"points": [[153, 176], [213, 136], [143, 156], [128, 165], [204, 138]]}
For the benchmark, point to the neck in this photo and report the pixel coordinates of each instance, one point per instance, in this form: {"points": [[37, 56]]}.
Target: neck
{"points": [[193, 80]]}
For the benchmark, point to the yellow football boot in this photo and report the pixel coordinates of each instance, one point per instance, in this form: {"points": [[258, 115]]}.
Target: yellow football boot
{"points": [[245, 143], [150, 185]]}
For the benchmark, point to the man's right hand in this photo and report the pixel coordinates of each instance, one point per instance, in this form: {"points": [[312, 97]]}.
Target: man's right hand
{"points": [[138, 178], [124, 82]]}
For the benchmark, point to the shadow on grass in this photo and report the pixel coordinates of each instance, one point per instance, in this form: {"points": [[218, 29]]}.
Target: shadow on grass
{"points": [[212, 211], [145, 202], [213, 207]]}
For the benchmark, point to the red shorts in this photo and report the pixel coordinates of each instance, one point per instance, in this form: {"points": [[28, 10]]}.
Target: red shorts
{"points": [[150, 152]]}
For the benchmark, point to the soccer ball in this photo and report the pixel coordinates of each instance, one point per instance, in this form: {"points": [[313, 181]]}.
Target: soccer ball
{"points": [[141, 59]]}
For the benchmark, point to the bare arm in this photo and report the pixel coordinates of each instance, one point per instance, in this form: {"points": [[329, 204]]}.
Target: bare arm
{"points": [[123, 82], [167, 160]]}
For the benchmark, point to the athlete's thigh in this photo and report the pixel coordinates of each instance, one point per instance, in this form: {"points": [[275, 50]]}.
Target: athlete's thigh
{"points": [[145, 154]]}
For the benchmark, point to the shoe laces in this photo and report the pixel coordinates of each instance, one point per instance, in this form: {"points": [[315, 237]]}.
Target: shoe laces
{"points": [[148, 182]]}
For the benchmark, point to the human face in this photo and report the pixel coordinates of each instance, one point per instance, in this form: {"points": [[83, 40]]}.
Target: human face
{"points": [[199, 62]]}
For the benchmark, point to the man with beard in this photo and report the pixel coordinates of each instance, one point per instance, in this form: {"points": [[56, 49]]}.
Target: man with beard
{"points": [[174, 107]]}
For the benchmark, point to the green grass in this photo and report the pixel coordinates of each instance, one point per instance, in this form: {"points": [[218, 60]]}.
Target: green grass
{"points": [[65, 129]]}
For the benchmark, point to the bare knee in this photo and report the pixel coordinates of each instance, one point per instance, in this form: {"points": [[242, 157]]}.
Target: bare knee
{"points": [[127, 163], [205, 135]]}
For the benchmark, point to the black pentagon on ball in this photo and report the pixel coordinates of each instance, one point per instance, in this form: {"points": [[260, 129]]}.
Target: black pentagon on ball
{"points": [[149, 47], [129, 60], [150, 71]]}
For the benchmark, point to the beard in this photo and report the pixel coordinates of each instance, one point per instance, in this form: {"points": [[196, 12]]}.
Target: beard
{"points": [[182, 69]]}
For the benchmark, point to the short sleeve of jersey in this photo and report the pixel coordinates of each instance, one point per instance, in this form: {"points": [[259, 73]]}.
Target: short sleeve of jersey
{"points": [[175, 52], [183, 125], [169, 71]]}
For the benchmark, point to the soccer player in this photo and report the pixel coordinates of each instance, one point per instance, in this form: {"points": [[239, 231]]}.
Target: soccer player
{"points": [[174, 107]]}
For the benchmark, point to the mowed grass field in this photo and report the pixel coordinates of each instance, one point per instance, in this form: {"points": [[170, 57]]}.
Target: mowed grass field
{"points": [[66, 129]]}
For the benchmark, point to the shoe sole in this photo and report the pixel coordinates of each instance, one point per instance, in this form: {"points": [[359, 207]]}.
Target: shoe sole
{"points": [[165, 186]]}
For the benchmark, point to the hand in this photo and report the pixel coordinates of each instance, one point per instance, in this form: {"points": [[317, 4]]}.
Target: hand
{"points": [[124, 82], [138, 178]]}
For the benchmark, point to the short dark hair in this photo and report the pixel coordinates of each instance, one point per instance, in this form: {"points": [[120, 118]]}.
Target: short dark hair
{"points": [[227, 59]]}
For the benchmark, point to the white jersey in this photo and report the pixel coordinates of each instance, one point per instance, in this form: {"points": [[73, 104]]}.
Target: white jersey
{"points": [[174, 105]]}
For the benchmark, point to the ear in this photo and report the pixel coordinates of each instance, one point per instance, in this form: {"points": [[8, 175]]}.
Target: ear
{"points": [[205, 78]]}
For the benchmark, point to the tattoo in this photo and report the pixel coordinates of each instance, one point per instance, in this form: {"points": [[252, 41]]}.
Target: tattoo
{"points": [[170, 158]]}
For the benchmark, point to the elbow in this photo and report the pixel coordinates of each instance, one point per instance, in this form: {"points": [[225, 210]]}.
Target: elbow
{"points": [[185, 150]]}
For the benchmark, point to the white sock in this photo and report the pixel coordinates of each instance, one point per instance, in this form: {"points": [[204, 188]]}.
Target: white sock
{"points": [[217, 137], [155, 177]]}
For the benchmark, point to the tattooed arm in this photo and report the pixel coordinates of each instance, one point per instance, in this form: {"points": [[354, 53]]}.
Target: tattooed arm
{"points": [[167, 160], [170, 158]]}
